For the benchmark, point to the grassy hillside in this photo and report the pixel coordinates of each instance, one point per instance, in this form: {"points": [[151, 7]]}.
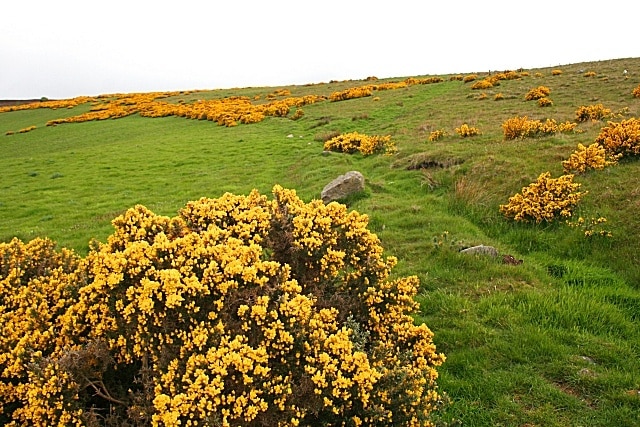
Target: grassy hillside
{"points": [[554, 341]]}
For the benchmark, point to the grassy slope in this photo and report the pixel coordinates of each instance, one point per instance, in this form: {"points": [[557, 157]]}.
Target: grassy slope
{"points": [[551, 342]]}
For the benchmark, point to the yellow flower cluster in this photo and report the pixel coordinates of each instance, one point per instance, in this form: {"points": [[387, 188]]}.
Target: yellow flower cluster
{"points": [[356, 142], [239, 311], [592, 112], [636, 92], [226, 112], [544, 200], [37, 284], [482, 84], [469, 78], [27, 129], [425, 81], [492, 80], [367, 90], [64, 103], [391, 86], [591, 228], [589, 74], [592, 157], [437, 135], [522, 127], [556, 72], [537, 93], [545, 102], [352, 93], [621, 138], [466, 131]]}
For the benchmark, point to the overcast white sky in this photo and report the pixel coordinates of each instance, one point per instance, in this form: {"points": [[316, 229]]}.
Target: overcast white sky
{"points": [[66, 48]]}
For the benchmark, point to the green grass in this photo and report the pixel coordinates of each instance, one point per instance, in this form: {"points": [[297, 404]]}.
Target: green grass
{"points": [[551, 342]]}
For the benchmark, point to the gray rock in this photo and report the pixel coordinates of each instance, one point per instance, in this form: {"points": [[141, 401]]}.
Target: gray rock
{"points": [[481, 250], [345, 185]]}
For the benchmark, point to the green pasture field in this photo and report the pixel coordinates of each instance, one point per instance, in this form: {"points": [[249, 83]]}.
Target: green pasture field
{"points": [[554, 341]]}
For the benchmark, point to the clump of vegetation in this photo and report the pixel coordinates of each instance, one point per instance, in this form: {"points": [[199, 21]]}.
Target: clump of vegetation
{"points": [[592, 157], [591, 228], [592, 112], [545, 102], [352, 93], [466, 131], [537, 93], [437, 135], [482, 84], [621, 138], [469, 78], [298, 114], [239, 311], [544, 200], [522, 127], [556, 72], [353, 142], [636, 92]]}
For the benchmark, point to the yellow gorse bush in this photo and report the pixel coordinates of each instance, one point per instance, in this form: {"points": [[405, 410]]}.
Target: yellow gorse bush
{"points": [[537, 93], [353, 142], [466, 131], [545, 102], [522, 127], [239, 311], [636, 92], [544, 200], [584, 158], [482, 84], [621, 138], [592, 112], [352, 93], [437, 135]]}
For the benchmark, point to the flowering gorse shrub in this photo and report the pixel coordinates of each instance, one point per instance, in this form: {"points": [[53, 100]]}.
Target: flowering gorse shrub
{"points": [[592, 157], [522, 127], [537, 93], [544, 200], [352, 93], [636, 92], [466, 131], [556, 72], [437, 135], [357, 142], [240, 311], [592, 112], [482, 84], [545, 102], [621, 138]]}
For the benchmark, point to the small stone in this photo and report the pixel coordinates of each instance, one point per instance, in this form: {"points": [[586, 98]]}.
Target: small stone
{"points": [[343, 186], [481, 250]]}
